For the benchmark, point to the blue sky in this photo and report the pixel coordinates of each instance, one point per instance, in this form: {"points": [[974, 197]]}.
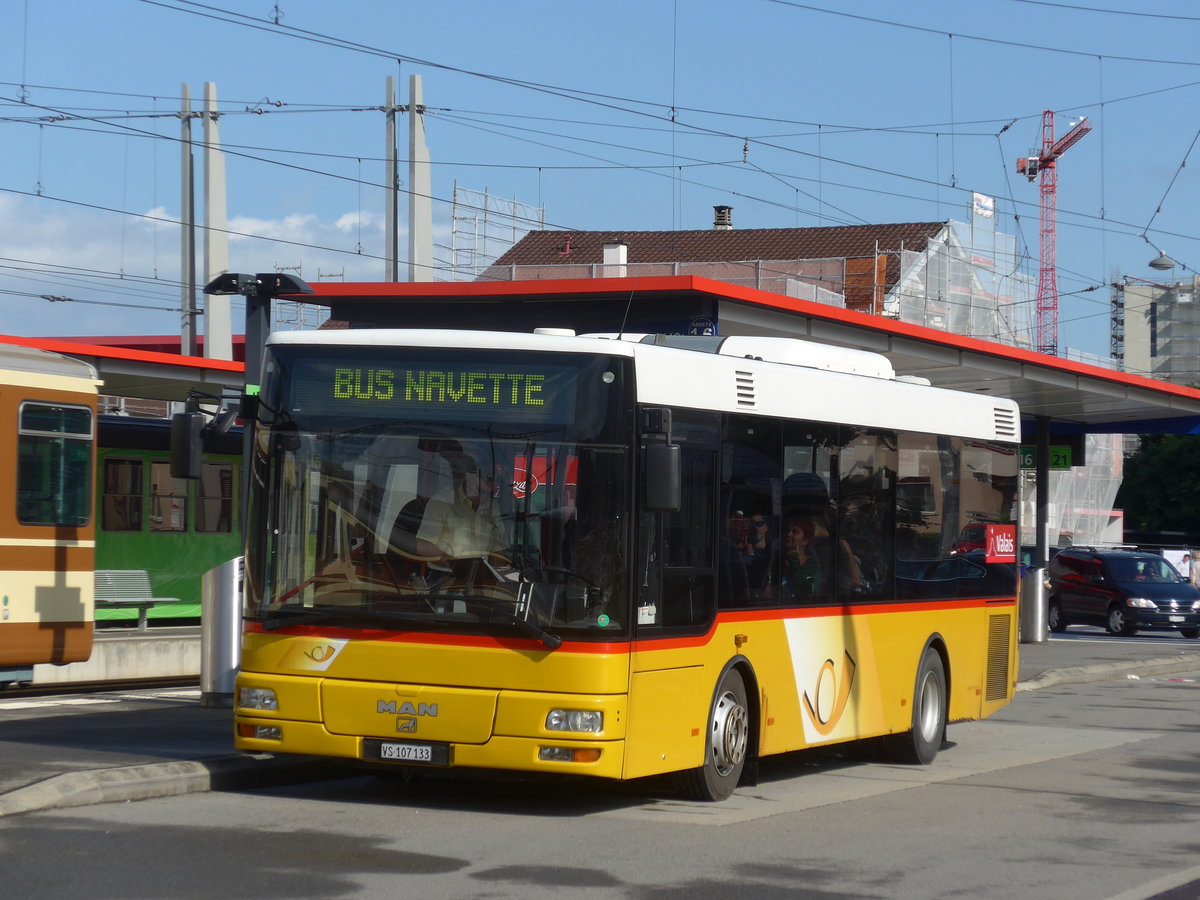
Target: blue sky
{"points": [[795, 114]]}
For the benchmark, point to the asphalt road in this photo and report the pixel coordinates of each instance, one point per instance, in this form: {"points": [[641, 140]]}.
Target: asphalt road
{"points": [[1078, 790], [131, 745]]}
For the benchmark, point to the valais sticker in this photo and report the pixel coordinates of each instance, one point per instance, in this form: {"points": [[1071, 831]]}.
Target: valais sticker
{"points": [[1001, 544]]}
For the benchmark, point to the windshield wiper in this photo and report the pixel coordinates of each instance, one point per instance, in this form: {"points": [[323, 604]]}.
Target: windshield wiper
{"points": [[492, 611]]}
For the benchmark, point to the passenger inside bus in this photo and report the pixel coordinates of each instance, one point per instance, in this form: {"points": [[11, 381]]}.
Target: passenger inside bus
{"points": [[809, 544], [802, 570], [762, 550], [402, 542], [462, 521]]}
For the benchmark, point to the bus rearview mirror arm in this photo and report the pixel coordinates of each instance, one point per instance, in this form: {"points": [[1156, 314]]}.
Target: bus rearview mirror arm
{"points": [[663, 462]]}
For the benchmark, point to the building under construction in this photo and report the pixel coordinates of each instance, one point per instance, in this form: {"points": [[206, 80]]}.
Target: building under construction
{"points": [[960, 277]]}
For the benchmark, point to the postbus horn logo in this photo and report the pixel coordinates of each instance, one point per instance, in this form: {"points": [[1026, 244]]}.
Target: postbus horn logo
{"points": [[828, 679]]}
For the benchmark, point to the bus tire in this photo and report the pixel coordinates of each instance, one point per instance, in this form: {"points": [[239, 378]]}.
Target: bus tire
{"points": [[920, 745], [725, 746]]}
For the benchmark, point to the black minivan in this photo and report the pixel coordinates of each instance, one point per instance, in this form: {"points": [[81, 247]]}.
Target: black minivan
{"points": [[1123, 590]]}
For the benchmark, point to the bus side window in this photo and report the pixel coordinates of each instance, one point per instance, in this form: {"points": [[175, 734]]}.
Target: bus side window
{"points": [[867, 468], [688, 547], [677, 568], [748, 520]]}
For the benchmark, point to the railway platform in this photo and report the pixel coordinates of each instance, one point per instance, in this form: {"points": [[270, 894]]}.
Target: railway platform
{"points": [[126, 654], [134, 744]]}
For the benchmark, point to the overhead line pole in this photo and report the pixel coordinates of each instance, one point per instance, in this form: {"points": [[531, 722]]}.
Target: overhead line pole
{"points": [[187, 219]]}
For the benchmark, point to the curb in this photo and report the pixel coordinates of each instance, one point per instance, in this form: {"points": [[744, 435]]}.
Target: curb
{"points": [[1109, 671], [239, 771], [123, 784]]}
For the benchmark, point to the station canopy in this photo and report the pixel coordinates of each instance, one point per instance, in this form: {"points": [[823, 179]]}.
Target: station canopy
{"points": [[1071, 397]]}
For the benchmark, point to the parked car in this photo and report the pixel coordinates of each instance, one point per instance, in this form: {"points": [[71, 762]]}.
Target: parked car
{"points": [[1123, 590], [972, 537]]}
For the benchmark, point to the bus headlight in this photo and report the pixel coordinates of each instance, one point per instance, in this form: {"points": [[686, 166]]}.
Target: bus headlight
{"points": [[257, 698], [584, 721]]}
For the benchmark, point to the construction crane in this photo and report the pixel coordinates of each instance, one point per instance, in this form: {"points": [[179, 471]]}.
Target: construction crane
{"points": [[1044, 164]]}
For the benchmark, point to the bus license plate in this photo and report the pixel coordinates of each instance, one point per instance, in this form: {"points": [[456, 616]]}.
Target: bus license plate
{"points": [[406, 752]]}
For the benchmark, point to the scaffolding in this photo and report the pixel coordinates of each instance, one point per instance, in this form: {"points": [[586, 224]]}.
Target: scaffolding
{"points": [[290, 315], [966, 281], [482, 228], [1081, 499]]}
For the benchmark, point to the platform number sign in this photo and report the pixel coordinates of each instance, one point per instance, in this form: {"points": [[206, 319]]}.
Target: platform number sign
{"points": [[1060, 457]]}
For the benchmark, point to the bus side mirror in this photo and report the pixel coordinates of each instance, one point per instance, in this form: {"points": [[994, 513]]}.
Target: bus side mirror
{"points": [[664, 477], [248, 408], [186, 450]]}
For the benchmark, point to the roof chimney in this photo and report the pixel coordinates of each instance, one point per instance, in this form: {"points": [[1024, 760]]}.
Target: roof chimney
{"points": [[722, 218], [615, 254]]}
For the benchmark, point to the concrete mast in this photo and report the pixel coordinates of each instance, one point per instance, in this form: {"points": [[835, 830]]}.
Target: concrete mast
{"points": [[218, 330], [420, 201]]}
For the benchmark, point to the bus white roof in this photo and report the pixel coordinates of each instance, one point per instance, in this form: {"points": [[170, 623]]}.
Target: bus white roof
{"points": [[753, 375]]}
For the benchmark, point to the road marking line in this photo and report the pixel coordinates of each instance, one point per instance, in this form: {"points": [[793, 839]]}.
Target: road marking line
{"points": [[53, 701]]}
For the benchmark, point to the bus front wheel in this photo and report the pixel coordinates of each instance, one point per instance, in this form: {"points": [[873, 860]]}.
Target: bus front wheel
{"points": [[921, 744], [726, 744]]}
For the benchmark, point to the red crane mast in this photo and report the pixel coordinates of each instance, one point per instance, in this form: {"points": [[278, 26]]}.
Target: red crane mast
{"points": [[1045, 165]]}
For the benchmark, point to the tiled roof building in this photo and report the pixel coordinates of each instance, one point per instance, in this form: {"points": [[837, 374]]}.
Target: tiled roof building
{"points": [[850, 265]]}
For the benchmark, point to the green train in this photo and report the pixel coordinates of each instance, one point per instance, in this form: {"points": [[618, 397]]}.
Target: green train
{"points": [[175, 529]]}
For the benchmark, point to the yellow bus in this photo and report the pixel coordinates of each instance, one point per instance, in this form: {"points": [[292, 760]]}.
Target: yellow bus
{"points": [[683, 554], [47, 534]]}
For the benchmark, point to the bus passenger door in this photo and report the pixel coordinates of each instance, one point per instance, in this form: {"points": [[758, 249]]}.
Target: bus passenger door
{"points": [[675, 583]]}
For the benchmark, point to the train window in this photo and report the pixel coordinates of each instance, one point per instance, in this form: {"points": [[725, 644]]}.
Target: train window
{"points": [[214, 498], [54, 464], [122, 503], [168, 499]]}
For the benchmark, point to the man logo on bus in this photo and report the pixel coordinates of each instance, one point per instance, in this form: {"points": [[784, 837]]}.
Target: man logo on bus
{"points": [[406, 712], [825, 718]]}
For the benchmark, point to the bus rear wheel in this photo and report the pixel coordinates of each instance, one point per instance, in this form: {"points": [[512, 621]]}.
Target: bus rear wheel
{"points": [[921, 744], [725, 746]]}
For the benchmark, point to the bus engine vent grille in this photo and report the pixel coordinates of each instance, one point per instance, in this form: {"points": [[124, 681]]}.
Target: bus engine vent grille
{"points": [[743, 383], [1006, 422], [997, 657]]}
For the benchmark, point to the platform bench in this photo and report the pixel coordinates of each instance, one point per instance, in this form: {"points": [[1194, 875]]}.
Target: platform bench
{"points": [[127, 589]]}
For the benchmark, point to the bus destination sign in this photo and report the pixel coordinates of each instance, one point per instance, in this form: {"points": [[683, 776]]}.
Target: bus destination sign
{"points": [[526, 393]]}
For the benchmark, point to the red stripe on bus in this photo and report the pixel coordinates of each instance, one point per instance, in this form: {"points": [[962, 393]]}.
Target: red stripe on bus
{"points": [[641, 644]]}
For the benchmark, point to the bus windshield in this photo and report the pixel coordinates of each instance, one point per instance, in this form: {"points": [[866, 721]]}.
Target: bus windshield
{"points": [[442, 490]]}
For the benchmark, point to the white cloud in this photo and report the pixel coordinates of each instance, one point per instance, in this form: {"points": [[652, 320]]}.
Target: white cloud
{"points": [[122, 273]]}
